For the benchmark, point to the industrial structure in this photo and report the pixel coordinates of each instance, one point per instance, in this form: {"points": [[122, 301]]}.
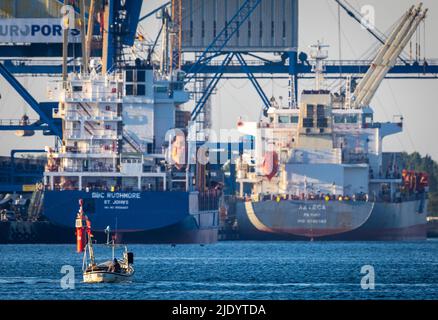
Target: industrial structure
{"points": [[209, 40]]}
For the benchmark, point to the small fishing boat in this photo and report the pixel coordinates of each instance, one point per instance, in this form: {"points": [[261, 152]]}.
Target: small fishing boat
{"points": [[109, 271]]}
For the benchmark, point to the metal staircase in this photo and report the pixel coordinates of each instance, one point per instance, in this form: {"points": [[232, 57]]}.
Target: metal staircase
{"points": [[85, 109], [132, 141]]}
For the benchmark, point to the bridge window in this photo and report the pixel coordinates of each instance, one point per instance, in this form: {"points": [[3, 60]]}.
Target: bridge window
{"points": [[346, 119], [161, 89], [351, 119], [320, 110], [283, 119], [308, 123], [129, 89], [322, 123], [141, 90], [339, 119], [141, 76], [310, 110], [129, 75]]}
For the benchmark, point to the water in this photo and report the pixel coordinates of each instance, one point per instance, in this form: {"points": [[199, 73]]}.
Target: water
{"points": [[232, 270]]}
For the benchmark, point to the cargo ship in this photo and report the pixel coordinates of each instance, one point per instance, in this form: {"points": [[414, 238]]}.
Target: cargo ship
{"points": [[120, 155], [318, 170]]}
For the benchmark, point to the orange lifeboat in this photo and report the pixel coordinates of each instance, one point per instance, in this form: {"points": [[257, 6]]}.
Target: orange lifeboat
{"points": [[270, 164]]}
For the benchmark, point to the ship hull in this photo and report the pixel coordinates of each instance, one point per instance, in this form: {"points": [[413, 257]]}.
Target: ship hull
{"points": [[134, 217], [320, 220], [185, 232]]}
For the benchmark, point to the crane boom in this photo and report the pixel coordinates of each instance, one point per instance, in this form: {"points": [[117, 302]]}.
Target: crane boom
{"points": [[381, 53], [387, 55]]}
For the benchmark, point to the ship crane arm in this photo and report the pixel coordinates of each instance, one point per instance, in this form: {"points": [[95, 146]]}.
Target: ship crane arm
{"points": [[387, 55]]}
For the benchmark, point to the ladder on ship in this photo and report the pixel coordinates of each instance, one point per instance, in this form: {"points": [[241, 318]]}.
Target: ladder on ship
{"points": [[36, 204], [85, 109], [132, 141]]}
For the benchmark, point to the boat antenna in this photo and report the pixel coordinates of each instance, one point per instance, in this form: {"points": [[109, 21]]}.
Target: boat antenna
{"points": [[108, 242], [107, 232], [319, 55]]}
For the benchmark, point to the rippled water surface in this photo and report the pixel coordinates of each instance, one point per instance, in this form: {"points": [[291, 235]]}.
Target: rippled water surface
{"points": [[232, 270]]}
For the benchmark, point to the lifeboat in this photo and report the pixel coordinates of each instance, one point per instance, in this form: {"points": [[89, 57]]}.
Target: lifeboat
{"points": [[270, 164], [178, 152]]}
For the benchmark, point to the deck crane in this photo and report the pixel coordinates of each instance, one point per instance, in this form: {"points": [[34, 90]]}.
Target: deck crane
{"points": [[387, 56]]}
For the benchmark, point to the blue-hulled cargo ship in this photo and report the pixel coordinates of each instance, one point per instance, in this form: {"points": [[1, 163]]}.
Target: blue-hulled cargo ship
{"points": [[123, 151]]}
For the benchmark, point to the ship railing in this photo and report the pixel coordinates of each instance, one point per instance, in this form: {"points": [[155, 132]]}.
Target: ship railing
{"points": [[361, 197], [398, 197], [259, 62], [93, 133], [96, 95], [209, 200], [355, 158], [14, 122], [94, 169], [369, 62], [98, 115], [101, 150]]}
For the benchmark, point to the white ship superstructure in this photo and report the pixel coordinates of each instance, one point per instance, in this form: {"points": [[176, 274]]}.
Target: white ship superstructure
{"points": [[325, 146], [114, 130]]}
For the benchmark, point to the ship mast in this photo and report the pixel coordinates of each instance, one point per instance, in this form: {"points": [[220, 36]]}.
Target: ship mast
{"points": [[319, 55]]}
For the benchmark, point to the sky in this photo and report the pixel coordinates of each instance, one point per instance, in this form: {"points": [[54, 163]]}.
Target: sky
{"points": [[416, 100]]}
